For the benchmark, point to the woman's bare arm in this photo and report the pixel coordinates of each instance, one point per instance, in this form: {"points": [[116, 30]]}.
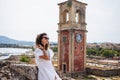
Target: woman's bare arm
{"points": [[44, 56]]}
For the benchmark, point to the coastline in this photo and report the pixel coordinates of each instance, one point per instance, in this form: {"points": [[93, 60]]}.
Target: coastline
{"points": [[5, 57]]}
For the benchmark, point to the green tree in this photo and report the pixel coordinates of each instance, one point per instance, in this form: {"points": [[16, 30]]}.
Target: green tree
{"points": [[55, 49], [108, 53], [99, 51], [91, 52]]}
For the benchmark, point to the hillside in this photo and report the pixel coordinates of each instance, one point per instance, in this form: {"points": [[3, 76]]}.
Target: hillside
{"points": [[6, 40]]}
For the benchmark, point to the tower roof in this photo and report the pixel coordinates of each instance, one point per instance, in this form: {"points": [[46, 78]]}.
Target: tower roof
{"points": [[72, 0]]}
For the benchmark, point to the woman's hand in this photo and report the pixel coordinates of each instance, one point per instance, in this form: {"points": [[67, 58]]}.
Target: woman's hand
{"points": [[41, 47]]}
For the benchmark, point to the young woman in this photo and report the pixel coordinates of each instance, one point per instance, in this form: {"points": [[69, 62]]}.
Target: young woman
{"points": [[43, 57]]}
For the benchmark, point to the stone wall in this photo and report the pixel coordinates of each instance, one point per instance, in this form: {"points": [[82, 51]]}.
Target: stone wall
{"points": [[15, 71], [102, 72], [12, 71], [5, 73]]}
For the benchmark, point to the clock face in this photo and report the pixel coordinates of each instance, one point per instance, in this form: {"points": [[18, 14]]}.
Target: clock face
{"points": [[78, 37]]}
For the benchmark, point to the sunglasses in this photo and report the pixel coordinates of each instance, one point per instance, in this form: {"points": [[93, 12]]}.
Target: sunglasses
{"points": [[46, 38]]}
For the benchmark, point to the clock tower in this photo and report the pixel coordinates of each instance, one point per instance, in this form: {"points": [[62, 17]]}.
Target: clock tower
{"points": [[72, 37]]}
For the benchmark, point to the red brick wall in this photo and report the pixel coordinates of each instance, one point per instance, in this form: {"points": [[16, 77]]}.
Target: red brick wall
{"points": [[64, 49], [79, 53]]}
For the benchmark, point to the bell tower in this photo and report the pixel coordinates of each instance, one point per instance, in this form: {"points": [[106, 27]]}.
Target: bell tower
{"points": [[72, 37]]}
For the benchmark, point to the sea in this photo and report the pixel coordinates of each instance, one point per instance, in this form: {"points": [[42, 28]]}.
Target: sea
{"points": [[7, 52]]}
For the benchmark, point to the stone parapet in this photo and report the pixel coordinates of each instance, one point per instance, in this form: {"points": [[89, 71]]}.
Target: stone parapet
{"points": [[102, 72], [12, 71], [24, 70]]}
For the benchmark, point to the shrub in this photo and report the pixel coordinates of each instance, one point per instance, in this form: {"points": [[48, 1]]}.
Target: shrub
{"points": [[108, 53], [55, 49], [24, 58]]}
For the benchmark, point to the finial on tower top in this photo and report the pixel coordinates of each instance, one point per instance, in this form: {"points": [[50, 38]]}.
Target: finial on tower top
{"points": [[71, 0]]}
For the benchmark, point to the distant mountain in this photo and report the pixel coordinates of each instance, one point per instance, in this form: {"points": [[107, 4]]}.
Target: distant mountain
{"points": [[6, 40]]}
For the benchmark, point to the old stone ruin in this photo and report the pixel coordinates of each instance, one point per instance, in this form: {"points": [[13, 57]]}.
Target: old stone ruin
{"points": [[11, 71]]}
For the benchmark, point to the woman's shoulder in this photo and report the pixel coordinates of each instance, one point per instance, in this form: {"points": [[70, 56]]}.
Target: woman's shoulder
{"points": [[38, 50]]}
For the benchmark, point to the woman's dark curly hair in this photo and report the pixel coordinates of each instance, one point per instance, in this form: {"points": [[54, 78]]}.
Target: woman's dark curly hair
{"points": [[39, 42]]}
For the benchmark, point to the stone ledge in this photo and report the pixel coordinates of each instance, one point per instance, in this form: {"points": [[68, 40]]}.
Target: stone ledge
{"points": [[27, 70], [103, 73], [12, 71]]}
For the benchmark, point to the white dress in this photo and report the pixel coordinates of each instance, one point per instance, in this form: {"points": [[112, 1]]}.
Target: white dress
{"points": [[46, 69]]}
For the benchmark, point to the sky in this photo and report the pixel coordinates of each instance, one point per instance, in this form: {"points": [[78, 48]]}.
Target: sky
{"points": [[24, 19]]}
